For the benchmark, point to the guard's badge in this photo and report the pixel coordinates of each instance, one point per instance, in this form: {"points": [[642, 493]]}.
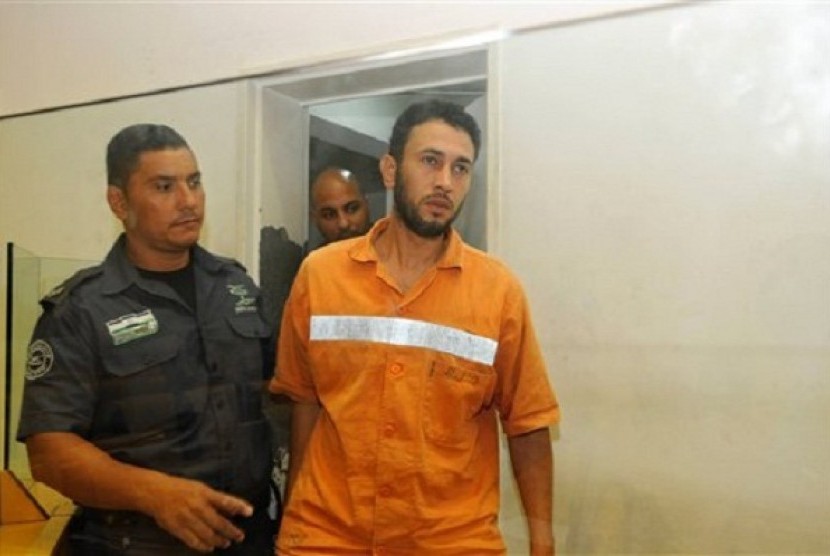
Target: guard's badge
{"points": [[244, 302], [40, 359], [127, 328]]}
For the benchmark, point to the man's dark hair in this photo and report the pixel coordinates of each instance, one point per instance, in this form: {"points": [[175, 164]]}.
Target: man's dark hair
{"points": [[421, 112], [126, 147]]}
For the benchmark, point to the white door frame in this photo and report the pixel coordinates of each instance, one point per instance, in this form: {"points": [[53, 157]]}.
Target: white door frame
{"points": [[388, 73]]}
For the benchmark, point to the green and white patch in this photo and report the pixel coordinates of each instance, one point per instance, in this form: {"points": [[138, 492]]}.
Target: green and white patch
{"points": [[131, 327]]}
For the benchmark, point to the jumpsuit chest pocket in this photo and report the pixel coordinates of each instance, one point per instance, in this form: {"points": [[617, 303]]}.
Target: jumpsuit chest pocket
{"points": [[454, 395]]}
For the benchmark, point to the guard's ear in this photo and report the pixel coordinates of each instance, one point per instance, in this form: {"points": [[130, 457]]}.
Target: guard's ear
{"points": [[388, 167], [117, 200]]}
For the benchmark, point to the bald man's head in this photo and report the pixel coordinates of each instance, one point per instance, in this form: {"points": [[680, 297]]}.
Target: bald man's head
{"points": [[338, 207]]}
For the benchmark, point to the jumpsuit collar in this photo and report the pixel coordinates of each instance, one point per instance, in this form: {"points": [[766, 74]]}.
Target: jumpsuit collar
{"points": [[364, 250]]}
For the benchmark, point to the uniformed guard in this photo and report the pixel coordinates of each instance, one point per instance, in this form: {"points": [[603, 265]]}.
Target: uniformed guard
{"points": [[145, 375]]}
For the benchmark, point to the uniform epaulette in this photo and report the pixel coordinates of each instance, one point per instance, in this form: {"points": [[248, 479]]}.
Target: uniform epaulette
{"points": [[60, 293], [230, 261]]}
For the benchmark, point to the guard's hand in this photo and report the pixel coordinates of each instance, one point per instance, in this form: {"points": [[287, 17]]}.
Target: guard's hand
{"points": [[196, 514]]}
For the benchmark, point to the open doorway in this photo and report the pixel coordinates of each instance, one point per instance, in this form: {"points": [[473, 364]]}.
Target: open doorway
{"points": [[353, 134], [308, 120]]}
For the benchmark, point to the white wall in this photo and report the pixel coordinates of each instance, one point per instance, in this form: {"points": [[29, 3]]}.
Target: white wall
{"points": [[60, 53], [665, 196], [53, 181], [54, 176]]}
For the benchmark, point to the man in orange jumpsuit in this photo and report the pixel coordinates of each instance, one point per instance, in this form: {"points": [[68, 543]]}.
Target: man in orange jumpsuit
{"points": [[401, 350]]}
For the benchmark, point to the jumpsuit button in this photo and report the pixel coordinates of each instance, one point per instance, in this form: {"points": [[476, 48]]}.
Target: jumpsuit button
{"points": [[396, 369], [384, 491], [389, 430]]}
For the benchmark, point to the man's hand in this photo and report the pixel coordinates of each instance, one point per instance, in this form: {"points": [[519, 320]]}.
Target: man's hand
{"points": [[196, 514], [189, 510]]}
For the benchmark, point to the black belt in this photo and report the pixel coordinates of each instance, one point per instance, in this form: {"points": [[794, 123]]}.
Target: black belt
{"points": [[115, 529], [114, 517], [124, 517]]}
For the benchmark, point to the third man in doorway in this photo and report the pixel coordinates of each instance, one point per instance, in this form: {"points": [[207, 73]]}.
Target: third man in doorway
{"points": [[339, 208]]}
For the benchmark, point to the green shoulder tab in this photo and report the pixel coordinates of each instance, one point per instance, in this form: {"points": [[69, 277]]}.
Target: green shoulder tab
{"points": [[61, 292]]}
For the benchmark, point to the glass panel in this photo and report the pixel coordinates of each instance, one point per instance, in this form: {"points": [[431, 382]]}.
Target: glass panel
{"points": [[21, 312], [29, 278]]}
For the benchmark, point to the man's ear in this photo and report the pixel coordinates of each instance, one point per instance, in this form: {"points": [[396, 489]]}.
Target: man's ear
{"points": [[388, 167], [117, 199]]}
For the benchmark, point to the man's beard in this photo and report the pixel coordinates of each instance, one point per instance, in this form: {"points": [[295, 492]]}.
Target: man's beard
{"points": [[408, 213]]}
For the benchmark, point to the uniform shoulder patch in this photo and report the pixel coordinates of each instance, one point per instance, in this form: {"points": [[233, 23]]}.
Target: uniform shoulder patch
{"points": [[39, 360]]}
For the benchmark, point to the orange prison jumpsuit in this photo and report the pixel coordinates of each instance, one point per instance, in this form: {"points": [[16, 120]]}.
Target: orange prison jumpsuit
{"points": [[404, 457]]}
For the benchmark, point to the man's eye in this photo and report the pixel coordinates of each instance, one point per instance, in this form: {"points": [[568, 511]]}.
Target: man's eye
{"points": [[327, 214], [461, 169], [164, 185], [429, 160], [194, 183], [352, 208]]}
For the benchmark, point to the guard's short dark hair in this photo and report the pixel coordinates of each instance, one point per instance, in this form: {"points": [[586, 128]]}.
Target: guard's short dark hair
{"points": [[126, 146], [422, 112]]}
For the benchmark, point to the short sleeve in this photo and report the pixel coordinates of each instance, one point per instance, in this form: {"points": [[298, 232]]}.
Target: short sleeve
{"points": [[525, 398], [59, 392]]}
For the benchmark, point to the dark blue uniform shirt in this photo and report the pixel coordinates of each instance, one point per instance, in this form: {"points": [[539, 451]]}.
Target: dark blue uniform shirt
{"points": [[125, 363]]}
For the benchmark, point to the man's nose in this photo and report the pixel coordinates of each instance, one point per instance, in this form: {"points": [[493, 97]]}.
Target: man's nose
{"points": [[443, 177], [185, 195], [342, 220]]}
